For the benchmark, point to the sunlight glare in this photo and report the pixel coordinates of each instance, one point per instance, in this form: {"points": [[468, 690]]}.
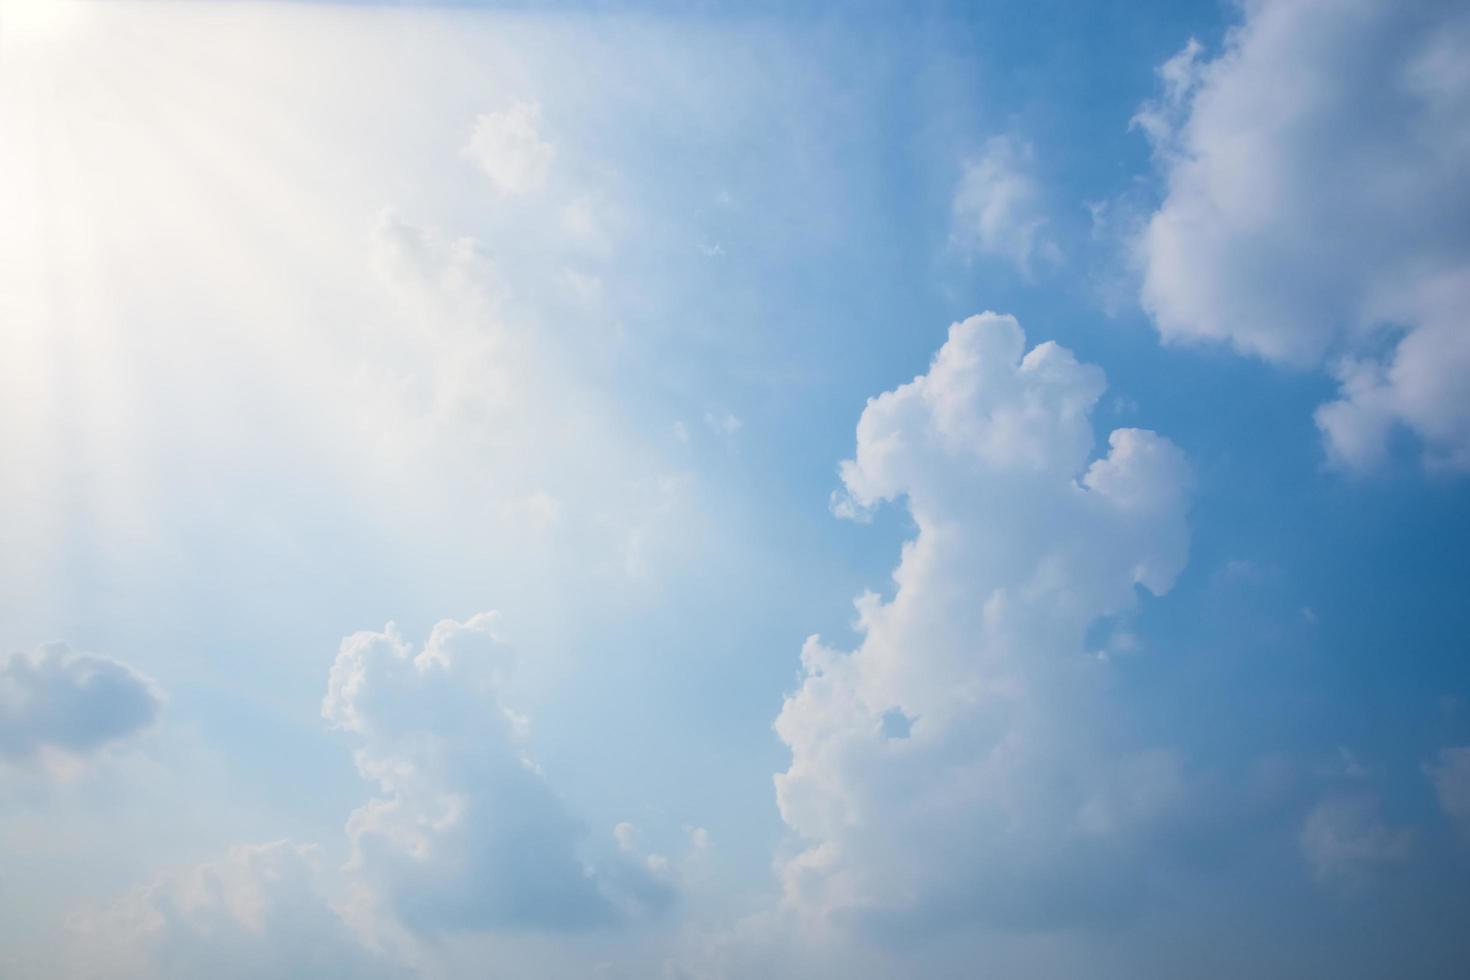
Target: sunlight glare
{"points": [[29, 20]]}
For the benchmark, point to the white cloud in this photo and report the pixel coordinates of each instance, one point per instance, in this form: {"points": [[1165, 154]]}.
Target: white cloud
{"points": [[56, 705], [959, 761], [258, 912], [999, 207], [508, 147], [1317, 213], [466, 834], [1451, 777], [1345, 840]]}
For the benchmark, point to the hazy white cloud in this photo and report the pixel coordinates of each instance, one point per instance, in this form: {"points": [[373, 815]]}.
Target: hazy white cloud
{"points": [[1316, 210], [723, 423], [970, 713], [508, 147], [466, 834], [1450, 774], [260, 911], [999, 207], [55, 703], [447, 351], [584, 224], [458, 384], [1345, 840], [588, 290]]}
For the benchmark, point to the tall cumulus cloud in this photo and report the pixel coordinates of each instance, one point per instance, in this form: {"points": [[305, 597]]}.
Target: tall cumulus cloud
{"points": [[959, 763]]}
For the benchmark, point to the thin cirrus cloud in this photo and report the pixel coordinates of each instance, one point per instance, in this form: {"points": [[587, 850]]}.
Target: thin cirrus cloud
{"points": [[57, 703], [1316, 214], [970, 712]]}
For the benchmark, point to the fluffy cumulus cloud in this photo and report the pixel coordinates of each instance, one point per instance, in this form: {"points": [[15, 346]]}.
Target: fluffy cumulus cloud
{"points": [[1316, 211], [999, 208], [508, 147], [258, 912], [960, 762], [466, 834], [55, 703]]}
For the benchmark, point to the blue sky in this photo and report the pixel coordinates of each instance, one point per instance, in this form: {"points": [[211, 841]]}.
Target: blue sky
{"points": [[694, 491]]}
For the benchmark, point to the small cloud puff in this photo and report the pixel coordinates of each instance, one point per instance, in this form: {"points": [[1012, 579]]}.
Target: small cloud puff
{"points": [[57, 703], [999, 207], [723, 423], [508, 148]]}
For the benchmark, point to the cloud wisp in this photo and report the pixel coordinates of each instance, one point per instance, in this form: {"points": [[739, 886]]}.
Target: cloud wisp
{"points": [[258, 911]]}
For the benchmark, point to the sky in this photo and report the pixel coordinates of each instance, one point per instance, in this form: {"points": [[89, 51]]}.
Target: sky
{"points": [[700, 491]]}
